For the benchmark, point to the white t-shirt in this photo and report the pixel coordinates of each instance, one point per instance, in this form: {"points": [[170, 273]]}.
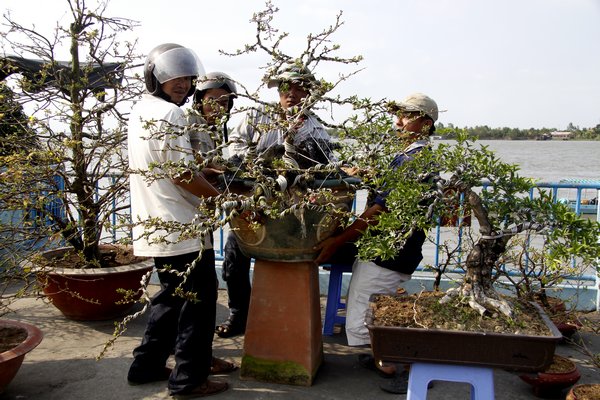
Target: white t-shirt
{"points": [[156, 135]]}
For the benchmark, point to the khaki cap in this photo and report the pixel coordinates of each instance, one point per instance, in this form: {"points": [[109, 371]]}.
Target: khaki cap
{"points": [[416, 102]]}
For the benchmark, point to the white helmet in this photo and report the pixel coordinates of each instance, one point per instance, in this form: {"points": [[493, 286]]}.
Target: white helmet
{"points": [[216, 80], [170, 61]]}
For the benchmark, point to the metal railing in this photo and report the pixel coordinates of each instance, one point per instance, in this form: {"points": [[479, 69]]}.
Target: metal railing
{"points": [[576, 193]]}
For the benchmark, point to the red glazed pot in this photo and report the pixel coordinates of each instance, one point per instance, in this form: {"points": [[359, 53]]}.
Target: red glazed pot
{"points": [[92, 294], [11, 360], [550, 384]]}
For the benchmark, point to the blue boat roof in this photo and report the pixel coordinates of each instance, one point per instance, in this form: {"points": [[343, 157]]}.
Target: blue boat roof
{"points": [[585, 181]]}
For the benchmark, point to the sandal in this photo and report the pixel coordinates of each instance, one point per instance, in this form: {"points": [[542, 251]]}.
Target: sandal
{"points": [[230, 329], [368, 361], [220, 366]]}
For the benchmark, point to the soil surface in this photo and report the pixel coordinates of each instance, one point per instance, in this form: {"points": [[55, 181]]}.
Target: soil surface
{"points": [[11, 337], [560, 365], [586, 392], [423, 310], [110, 256]]}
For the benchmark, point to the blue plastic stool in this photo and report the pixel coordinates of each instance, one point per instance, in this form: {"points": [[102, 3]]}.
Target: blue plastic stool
{"points": [[334, 295], [481, 379]]}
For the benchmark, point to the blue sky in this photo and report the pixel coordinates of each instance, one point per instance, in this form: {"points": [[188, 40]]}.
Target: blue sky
{"points": [[515, 63]]}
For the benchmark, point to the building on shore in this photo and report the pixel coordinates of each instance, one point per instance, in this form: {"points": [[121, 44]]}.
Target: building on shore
{"points": [[561, 135]]}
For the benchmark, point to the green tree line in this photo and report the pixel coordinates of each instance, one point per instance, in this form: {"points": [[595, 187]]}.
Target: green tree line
{"points": [[450, 131]]}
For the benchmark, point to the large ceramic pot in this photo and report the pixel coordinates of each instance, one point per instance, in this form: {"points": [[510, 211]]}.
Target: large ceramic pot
{"points": [[291, 237], [559, 375], [90, 294], [11, 359], [517, 352]]}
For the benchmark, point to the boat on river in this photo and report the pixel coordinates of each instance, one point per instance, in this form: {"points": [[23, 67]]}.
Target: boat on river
{"points": [[586, 206]]}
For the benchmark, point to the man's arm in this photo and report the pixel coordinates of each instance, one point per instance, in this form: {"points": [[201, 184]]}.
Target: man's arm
{"points": [[329, 246], [196, 185]]}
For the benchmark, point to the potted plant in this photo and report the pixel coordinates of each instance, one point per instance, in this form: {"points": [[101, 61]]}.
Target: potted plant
{"points": [[559, 375], [64, 181], [501, 211], [16, 340]]}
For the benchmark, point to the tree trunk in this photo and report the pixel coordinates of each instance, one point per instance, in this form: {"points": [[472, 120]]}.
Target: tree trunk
{"points": [[477, 285], [82, 186]]}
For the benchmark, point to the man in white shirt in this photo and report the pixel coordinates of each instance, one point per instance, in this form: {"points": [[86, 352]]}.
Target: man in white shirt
{"points": [[165, 189]]}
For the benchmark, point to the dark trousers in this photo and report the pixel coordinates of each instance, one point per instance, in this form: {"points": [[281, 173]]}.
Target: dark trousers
{"points": [[236, 273], [183, 324]]}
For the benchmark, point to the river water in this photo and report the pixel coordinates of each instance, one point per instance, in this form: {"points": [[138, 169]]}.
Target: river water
{"points": [[549, 160]]}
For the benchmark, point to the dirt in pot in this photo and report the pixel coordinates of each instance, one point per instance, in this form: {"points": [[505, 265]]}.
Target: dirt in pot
{"points": [[110, 256], [11, 337], [423, 310], [585, 392]]}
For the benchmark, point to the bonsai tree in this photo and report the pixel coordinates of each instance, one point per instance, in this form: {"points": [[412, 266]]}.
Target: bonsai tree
{"points": [[430, 187], [273, 183], [70, 182], [63, 173]]}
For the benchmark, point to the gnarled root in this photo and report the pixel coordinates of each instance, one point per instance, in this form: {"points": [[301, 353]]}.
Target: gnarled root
{"points": [[479, 299]]}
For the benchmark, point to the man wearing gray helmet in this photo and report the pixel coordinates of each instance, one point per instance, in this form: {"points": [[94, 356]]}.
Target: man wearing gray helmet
{"points": [[415, 119], [213, 101], [214, 97], [157, 141]]}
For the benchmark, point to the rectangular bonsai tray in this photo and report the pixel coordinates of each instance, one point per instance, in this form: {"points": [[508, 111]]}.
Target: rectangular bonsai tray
{"points": [[507, 351]]}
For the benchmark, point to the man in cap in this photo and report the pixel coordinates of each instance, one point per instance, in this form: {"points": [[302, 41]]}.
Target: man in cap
{"points": [[416, 116], [263, 133], [266, 129]]}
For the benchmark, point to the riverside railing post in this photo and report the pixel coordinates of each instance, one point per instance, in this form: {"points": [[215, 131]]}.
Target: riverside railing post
{"points": [[598, 261]]}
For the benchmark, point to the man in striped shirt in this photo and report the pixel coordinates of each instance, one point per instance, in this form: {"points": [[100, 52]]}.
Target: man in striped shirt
{"points": [[288, 131], [265, 130]]}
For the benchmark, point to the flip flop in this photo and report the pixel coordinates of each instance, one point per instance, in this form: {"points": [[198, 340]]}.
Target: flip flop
{"points": [[220, 366], [368, 361], [230, 329]]}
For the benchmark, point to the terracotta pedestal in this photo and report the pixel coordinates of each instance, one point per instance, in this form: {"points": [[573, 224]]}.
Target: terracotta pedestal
{"points": [[283, 342]]}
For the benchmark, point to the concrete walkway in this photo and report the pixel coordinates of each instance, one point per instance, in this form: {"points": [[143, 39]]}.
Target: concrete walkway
{"points": [[63, 366]]}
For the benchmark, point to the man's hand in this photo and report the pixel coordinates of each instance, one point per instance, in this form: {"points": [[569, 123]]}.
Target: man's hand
{"points": [[328, 248], [212, 172], [352, 171]]}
